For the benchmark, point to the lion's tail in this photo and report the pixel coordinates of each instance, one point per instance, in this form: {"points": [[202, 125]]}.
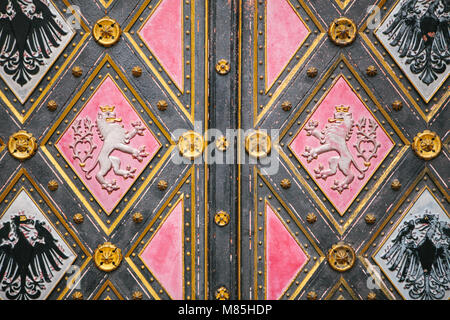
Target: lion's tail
{"points": [[87, 172], [361, 171]]}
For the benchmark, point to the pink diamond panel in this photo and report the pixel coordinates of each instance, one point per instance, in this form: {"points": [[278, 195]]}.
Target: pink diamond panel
{"points": [[331, 146], [112, 155], [285, 33], [163, 35], [284, 257], [164, 254]]}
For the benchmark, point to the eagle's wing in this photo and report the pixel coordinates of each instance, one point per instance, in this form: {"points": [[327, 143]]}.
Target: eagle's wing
{"points": [[8, 43], [441, 267], [404, 31], [8, 266], [46, 257], [44, 34], [402, 256], [412, 30]]}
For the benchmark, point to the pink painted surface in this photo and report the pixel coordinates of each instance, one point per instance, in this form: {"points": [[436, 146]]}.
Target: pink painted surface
{"points": [[163, 35], [341, 94], [284, 257], [164, 254], [285, 34], [109, 94]]}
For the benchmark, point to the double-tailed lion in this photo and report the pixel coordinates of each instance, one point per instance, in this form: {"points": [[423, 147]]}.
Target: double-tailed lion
{"points": [[114, 137], [334, 137]]}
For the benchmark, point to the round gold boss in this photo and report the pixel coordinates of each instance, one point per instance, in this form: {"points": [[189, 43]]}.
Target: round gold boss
{"points": [[106, 31]]}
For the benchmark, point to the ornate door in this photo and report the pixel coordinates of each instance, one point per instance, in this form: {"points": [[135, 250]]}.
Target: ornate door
{"points": [[245, 149], [352, 98], [93, 204]]}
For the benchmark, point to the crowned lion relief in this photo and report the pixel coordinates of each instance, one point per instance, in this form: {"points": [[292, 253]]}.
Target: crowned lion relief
{"points": [[335, 136], [114, 137]]}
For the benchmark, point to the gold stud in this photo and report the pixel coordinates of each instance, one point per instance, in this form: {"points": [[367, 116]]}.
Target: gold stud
{"points": [[78, 218], [191, 144], [312, 72], [371, 71], [77, 71], [162, 105], [137, 295], [285, 183], [52, 105], [106, 32], [342, 31], [370, 218], [341, 257], [286, 105], [222, 294], [107, 257], [397, 105], [221, 218], [77, 295], [311, 217], [22, 145], [136, 71], [396, 185], [162, 185], [312, 295], [52, 185], [138, 217], [372, 296], [222, 143], [223, 67], [427, 145]]}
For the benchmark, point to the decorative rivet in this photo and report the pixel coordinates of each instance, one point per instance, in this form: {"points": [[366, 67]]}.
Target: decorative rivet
{"points": [[285, 183], [286, 105], [138, 217], [222, 143], [372, 296], [52, 105], [77, 295], [223, 67], [371, 71], [162, 185], [396, 185], [78, 218], [397, 105], [22, 145], [427, 145], [107, 257], [341, 257], [52, 185], [136, 71], [342, 31], [258, 144], [162, 105], [370, 218], [137, 295], [222, 294], [311, 72], [311, 217], [191, 144], [221, 218], [106, 32], [312, 295], [77, 71]]}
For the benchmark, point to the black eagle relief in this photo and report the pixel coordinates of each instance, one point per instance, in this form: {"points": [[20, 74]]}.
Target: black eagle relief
{"points": [[29, 257], [28, 32], [421, 31], [420, 255]]}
